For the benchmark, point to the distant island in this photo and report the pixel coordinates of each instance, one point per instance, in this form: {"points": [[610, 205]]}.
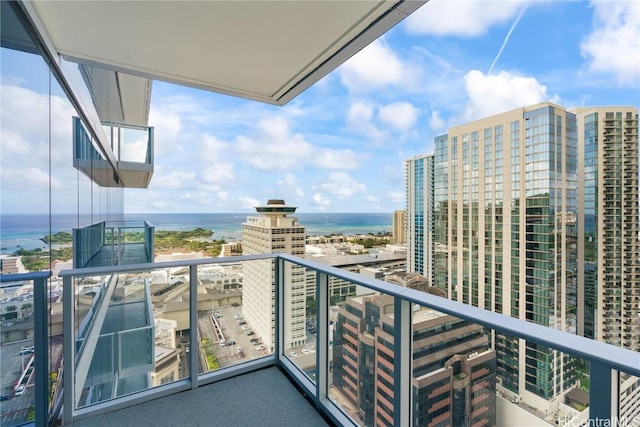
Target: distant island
{"points": [[196, 240], [61, 237]]}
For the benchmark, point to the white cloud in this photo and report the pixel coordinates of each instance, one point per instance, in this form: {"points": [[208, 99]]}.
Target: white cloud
{"points": [[360, 120], [248, 202], [399, 115], [435, 122], [28, 124], [290, 187], [397, 197], [613, 47], [28, 179], [275, 148], [168, 130], [492, 94], [464, 18], [371, 199], [373, 67], [320, 200], [216, 175], [336, 159], [171, 180], [342, 185]]}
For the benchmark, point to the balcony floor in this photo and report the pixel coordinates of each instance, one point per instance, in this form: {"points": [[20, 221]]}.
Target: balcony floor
{"points": [[131, 253], [261, 398]]}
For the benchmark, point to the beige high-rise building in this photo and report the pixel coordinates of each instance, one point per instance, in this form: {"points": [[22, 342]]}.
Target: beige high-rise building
{"points": [[399, 226], [608, 227], [274, 232], [505, 234]]}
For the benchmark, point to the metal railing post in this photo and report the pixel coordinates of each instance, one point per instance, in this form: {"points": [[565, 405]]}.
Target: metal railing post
{"points": [[603, 398], [322, 337], [402, 362], [194, 343], [278, 344], [41, 352], [68, 348]]}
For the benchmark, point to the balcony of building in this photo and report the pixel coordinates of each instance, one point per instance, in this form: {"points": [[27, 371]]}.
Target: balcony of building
{"points": [[117, 361], [113, 243], [132, 165]]}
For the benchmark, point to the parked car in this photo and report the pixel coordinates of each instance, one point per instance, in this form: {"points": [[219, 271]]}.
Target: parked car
{"points": [[26, 350], [5, 397], [235, 304], [251, 333], [231, 342], [20, 390], [293, 354], [260, 348]]}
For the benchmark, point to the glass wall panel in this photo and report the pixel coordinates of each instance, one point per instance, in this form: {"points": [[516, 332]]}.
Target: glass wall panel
{"points": [[361, 374], [132, 332], [300, 319], [17, 367]]}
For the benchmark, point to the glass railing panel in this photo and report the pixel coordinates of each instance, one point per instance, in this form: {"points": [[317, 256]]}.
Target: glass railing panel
{"points": [[235, 313], [453, 380], [135, 144], [361, 357], [299, 314], [17, 358], [130, 334], [466, 374]]}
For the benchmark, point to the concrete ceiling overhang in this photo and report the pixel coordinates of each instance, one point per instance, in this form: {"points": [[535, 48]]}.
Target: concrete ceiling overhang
{"points": [[268, 51]]}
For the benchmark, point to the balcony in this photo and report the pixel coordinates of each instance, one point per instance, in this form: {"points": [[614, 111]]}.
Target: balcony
{"points": [[132, 166], [113, 243], [202, 350]]}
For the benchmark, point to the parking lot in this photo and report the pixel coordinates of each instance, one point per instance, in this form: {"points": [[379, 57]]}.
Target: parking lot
{"points": [[14, 408], [238, 346]]}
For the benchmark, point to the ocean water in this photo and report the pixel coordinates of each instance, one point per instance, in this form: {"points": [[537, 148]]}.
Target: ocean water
{"points": [[25, 230]]}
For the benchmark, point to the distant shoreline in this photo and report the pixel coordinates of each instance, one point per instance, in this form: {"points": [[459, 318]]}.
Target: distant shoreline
{"points": [[24, 231]]}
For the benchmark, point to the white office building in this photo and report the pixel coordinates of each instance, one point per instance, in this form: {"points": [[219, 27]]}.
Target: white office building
{"points": [[274, 232]]}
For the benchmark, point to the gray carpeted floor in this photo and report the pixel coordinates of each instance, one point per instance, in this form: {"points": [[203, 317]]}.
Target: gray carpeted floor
{"points": [[262, 398]]}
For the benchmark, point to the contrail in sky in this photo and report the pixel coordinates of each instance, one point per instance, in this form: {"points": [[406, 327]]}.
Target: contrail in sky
{"points": [[506, 39]]}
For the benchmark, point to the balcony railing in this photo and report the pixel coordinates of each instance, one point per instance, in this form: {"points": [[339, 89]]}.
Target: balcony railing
{"points": [[113, 243], [198, 340]]}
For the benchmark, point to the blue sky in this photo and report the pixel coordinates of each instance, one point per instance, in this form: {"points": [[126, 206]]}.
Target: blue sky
{"points": [[341, 145]]}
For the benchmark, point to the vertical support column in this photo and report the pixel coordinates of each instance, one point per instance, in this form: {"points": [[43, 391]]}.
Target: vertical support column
{"points": [[322, 337], [41, 352], [69, 349], [194, 344], [278, 344], [402, 362], [603, 404]]}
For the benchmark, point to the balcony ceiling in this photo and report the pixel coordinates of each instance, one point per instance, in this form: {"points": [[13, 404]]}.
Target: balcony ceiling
{"points": [[268, 51]]}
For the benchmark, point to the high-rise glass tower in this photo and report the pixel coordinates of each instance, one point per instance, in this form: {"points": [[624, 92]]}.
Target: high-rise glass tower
{"points": [[608, 232], [505, 233], [419, 191], [274, 232], [609, 225]]}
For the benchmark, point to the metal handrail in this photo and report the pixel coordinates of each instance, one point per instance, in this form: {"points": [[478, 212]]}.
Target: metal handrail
{"points": [[604, 359], [609, 355]]}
